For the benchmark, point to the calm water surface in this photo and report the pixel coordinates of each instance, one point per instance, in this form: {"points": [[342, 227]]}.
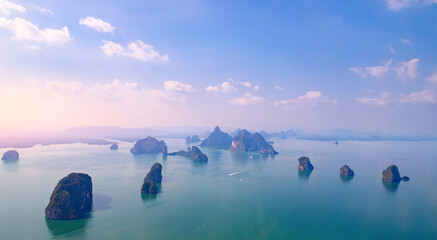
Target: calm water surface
{"points": [[233, 196]]}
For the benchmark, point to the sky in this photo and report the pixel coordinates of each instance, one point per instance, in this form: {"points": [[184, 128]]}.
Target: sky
{"points": [[272, 65]]}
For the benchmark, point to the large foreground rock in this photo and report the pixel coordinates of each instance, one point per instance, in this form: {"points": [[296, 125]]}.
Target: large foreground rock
{"points": [[391, 174], [10, 155], [149, 145], [72, 198], [304, 163], [152, 179], [247, 142], [217, 139], [346, 171], [194, 153], [192, 139]]}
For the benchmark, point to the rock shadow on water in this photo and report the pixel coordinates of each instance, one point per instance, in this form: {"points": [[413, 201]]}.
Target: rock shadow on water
{"points": [[346, 179], [390, 187], [68, 229], [149, 197], [101, 202], [304, 174], [11, 165]]}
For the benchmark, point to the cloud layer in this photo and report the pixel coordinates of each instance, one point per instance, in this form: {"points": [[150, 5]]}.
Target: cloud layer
{"points": [[137, 50]]}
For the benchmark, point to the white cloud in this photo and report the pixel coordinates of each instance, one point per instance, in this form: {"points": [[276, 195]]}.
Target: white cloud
{"points": [[43, 10], [375, 71], [225, 87], [25, 30], [392, 50], [406, 41], [97, 24], [6, 7], [256, 88], [385, 98], [432, 78], [279, 88], [137, 50], [407, 69], [425, 96], [177, 86], [309, 97], [404, 70], [399, 4], [382, 99], [247, 99], [246, 84]]}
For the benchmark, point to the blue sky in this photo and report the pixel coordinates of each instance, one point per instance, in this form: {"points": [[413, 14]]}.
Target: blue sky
{"points": [[258, 64]]}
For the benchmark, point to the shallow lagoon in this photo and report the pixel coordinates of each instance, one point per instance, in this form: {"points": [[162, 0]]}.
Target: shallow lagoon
{"points": [[233, 196]]}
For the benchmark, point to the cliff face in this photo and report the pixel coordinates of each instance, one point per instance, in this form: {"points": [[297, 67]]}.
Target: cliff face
{"points": [[152, 179], [217, 139], [304, 163], [10, 155], [346, 171], [149, 145], [391, 174], [194, 153], [247, 142], [192, 139], [72, 198]]}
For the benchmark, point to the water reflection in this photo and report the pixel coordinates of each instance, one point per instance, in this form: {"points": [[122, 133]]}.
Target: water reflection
{"points": [[149, 197], [68, 228], [11, 165], [101, 202], [304, 174], [346, 179], [390, 187]]}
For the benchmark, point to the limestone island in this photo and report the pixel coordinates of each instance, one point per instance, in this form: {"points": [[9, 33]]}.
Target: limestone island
{"points": [[194, 153], [193, 139], [152, 179], [114, 146], [391, 174], [304, 163], [10, 155], [149, 145], [217, 139], [247, 142], [346, 171], [72, 198]]}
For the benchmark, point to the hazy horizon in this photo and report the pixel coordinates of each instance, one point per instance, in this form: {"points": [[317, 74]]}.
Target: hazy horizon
{"points": [[362, 65]]}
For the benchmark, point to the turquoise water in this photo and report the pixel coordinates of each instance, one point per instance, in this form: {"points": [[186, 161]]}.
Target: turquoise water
{"points": [[233, 196]]}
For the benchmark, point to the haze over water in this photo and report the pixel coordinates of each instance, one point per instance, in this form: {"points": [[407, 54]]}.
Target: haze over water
{"points": [[236, 195]]}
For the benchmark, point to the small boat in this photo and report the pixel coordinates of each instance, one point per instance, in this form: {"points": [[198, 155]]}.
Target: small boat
{"points": [[336, 143]]}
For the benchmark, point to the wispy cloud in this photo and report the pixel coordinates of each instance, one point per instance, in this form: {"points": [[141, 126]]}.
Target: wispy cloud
{"points": [[137, 50], [279, 88], [432, 78], [407, 70], [247, 99], [382, 99], [97, 24], [25, 30], [374, 71], [6, 7], [404, 70], [399, 4], [309, 97], [225, 87], [385, 98], [177, 86], [43, 10], [405, 41]]}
